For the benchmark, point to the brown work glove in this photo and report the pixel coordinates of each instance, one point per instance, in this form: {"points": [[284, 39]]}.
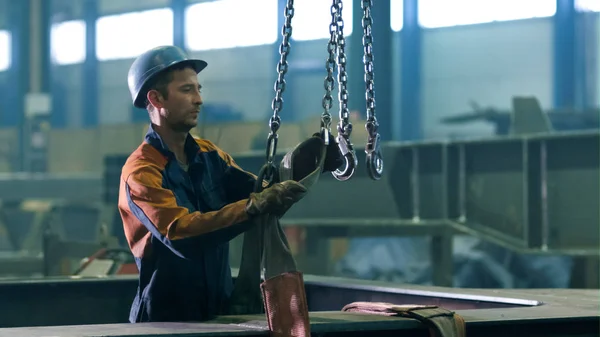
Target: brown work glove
{"points": [[276, 199]]}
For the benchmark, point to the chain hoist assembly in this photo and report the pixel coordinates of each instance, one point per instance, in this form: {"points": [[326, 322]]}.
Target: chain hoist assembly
{"points": [[269, 171], [336, 59], [373, 148], [337, 46]]}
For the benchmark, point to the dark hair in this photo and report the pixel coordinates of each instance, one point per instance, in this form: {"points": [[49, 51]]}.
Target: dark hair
{"points": [[161, 81]]}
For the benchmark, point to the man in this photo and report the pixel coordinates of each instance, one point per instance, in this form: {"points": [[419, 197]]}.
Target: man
{"points": [[183, 199]]}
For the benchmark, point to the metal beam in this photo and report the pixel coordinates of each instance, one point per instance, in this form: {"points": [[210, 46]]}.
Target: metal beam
{"points": [[497, 189], [586, 56], [22, 186], [18, 72], [382, 60], [410, 73], [90, 82], [354, 51], [58, 91], [565, 82], [178, 7]]}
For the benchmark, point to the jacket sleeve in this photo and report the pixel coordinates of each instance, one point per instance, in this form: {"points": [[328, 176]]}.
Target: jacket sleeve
{"points": [[156, 208]]}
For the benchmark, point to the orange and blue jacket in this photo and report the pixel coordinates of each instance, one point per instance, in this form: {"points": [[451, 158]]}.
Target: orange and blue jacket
{"points": [[178, 226]]}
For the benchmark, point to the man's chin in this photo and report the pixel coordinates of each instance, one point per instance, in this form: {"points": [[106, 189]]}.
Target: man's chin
{"points": [[186, 127]]}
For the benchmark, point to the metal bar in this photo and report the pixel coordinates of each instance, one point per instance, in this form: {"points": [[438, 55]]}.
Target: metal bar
{"points": [[415, 184], [17, 187], [179, 33], [90, 77], [106, 300], [442, 259], [565, 82], [19, 74], [45, 71], [410, 73], [383, 64], [58, 89], [350, 227]]}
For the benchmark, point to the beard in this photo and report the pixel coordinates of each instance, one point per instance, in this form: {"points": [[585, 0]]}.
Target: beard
{"points": [[183, 126]]}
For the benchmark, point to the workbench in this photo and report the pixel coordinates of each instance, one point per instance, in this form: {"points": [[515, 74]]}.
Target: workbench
{"points": [[99, 307]]}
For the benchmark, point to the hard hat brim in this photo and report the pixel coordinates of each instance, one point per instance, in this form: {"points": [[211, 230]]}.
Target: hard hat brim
{"points": [[196, 64]]}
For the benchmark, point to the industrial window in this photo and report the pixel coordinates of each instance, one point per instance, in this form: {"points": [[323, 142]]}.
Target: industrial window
{"points": [[312, 18], [446, 13], [587, 5], [397, 14], [67, 41], [4, 50], [128, 35], [214, 25]]}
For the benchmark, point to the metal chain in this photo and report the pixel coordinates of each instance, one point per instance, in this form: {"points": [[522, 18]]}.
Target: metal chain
{"points": [[344, 126], [367, 22], [329, 82], [282, 68], [372, 149]]}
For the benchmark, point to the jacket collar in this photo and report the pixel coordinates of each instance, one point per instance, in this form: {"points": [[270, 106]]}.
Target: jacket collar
{"points": [[191, 148]]}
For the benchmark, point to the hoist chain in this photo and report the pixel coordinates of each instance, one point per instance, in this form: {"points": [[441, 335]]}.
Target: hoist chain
{"points": [[372, 149], [329, 79], [337, 45], [269, 171]]}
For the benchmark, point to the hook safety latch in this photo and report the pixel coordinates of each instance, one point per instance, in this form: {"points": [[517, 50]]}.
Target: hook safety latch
{"points": [[350, 159], [373, 151]]}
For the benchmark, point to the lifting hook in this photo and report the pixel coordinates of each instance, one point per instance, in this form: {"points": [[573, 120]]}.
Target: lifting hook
{"points": [[350, 159], [373, 151]]}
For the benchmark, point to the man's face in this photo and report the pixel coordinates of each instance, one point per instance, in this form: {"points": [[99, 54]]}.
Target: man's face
{"points": [[182, 107]]}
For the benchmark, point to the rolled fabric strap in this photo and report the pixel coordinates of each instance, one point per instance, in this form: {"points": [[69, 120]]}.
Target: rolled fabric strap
{"points": [[441, 322], [283, 293], [283, 290], [286, 307]]}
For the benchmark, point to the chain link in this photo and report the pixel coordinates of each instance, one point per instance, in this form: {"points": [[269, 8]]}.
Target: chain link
{"points": [[329, 82], [282, 68], [372, 149], [344, 126], [367, 22]]}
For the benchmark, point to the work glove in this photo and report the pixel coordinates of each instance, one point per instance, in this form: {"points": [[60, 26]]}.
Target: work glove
{"points": [[276, 199]]}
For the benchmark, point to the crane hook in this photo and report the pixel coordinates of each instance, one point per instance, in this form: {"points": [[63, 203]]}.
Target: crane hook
{"points": [[374, 158], [350, 160]]}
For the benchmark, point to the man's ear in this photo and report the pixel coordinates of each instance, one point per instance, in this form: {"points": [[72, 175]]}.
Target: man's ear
{"points": [[155, 99]]}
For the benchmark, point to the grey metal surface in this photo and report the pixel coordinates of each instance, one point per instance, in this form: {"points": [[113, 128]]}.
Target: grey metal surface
{"points": [[318, 232], [495, 312], [68, 186], [537, 192], [141, 329], [528, 192], [19, 264]]}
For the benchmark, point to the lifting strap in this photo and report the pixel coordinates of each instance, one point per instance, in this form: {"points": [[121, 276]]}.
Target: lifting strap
{"points": [[441, 322], [265, 244]]}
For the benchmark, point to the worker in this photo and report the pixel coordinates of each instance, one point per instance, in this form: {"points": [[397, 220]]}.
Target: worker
{"points": [[182, 199]]}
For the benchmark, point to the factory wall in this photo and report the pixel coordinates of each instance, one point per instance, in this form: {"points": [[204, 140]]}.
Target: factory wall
{"points": [[595, 62], [487, 63]]}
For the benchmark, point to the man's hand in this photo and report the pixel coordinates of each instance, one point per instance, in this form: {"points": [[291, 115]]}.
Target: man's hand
{"points": [[276, 199]]}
